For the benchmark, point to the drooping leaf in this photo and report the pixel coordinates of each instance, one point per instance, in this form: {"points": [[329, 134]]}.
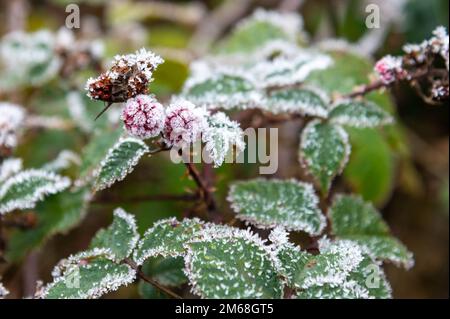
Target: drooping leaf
{"points": [[88, 275], [23, 190], [298, 100], [359, 114], [166, 238], [221, 135], [324, 151], [119, 162], [359, 221], [270, 203], [56, 214], [120, 237], [232, 263]]}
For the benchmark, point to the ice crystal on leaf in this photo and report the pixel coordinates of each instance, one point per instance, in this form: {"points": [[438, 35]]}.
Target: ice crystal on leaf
{"points": [[222, 134], [119, 162], [9, 167], [23, 190], [231, 263], [184, 123], [359, 114], [120, 237], [324, 151], [166, 238], [270, 203], [88, 275], [12, 117], [64, 160], [143, 117], [359, 221], [305, 101], [29, 58]]}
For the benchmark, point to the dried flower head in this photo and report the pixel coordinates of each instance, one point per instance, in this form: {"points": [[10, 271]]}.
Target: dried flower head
{"points": [[390, 69], [11, 117], [184, 123], [128, 77], [143, 117]]}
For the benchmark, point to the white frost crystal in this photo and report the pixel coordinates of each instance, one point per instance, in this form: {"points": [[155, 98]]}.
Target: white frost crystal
{"points": [[11, 118], [9, 167], [220, 135], [24, 189]]}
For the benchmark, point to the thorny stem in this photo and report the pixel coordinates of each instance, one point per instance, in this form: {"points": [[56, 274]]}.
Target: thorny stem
{"points": [[202, 185], [147, 279]]}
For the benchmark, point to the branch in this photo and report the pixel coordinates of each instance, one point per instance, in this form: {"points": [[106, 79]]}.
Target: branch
{"points": [[203, 186], [149, 280]]}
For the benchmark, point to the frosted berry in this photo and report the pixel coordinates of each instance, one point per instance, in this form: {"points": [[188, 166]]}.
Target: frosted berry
{"points": [[184, 123], [143, 117], [389, 69]]}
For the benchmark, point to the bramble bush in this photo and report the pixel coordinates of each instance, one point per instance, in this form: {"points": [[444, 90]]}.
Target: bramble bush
{"points": [[265, 65]]}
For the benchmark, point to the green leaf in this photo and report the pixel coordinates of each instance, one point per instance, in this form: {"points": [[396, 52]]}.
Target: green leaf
{"points": [[166, 271], [292, 260], [56, 214], [269, 203], [88, 275], [120, 237], [232, 263], [371, 169], [324, 151], [359, 221], [222, 90], [166, 238], [359, 114], [298, 100], [259, 29], [96, 151], [119, 162], [25, 189], [367, 281]]}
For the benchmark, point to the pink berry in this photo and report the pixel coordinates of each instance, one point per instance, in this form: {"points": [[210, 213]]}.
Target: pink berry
{"points": [[389, 69], [143, 117], [184, 123]]}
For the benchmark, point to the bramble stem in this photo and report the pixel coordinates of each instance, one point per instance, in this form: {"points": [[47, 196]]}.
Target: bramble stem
{"points": [[206, 192]]}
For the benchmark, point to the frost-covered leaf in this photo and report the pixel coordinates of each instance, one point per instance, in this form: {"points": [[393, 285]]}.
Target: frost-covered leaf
{"points": [[359, 114], [119, 162], [367, 281], [56, 214], [222, 134], [324, 151], [288, 70], [232, 263], [166, 238], [166, 271], [64, 160], [95, 151], [260, 28], [359, 221], [9, 167], [331, 267], [304, 101], [270, 203], [222, 90], [120, 237], [88, 275], [24, 189], [3, 291], [291, 261]]}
